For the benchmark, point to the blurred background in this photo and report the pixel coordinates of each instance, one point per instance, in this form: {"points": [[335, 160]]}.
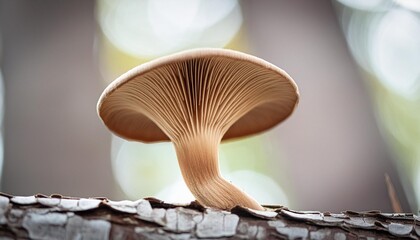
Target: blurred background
{"points": [[356, 62]]}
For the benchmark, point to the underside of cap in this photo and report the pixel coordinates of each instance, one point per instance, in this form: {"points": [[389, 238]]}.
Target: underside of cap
{"points": [[235, 93]]}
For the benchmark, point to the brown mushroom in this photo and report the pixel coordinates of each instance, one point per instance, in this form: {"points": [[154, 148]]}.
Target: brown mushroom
{"points": [[196, 99]]}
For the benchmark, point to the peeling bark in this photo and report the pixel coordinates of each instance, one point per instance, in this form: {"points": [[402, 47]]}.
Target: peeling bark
{"points": [[57, 217]]}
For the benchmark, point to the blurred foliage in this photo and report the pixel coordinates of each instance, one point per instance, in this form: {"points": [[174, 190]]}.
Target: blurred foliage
{"points": [[384, 39]]}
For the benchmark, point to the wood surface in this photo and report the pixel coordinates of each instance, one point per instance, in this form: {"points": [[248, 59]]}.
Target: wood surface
{"points": [[58, 217]]}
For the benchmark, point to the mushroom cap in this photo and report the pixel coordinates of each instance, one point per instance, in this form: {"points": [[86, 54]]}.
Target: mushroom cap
{"points": [[124, 104]]}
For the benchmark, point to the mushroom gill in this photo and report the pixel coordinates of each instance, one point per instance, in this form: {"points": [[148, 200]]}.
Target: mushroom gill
{"points": [[196, 99]]}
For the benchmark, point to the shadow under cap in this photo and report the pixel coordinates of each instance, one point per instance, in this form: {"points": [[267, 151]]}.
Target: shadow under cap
{"points": [[200, 86]]}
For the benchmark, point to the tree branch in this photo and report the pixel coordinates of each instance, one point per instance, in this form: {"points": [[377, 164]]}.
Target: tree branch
{"points": [[58, 217]]}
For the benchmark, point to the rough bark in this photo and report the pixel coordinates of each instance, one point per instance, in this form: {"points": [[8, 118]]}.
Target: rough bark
{"points": [[58, 217]]}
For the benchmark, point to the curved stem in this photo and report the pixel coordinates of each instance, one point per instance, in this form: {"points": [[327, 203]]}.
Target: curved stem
{"points": [[198, 160]]}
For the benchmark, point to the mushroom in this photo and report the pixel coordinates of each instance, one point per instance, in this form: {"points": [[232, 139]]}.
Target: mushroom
{"points": [[196, 99]]}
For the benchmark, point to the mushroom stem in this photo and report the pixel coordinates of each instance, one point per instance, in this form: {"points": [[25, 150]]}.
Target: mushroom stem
{"points": [[198, 160]]}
